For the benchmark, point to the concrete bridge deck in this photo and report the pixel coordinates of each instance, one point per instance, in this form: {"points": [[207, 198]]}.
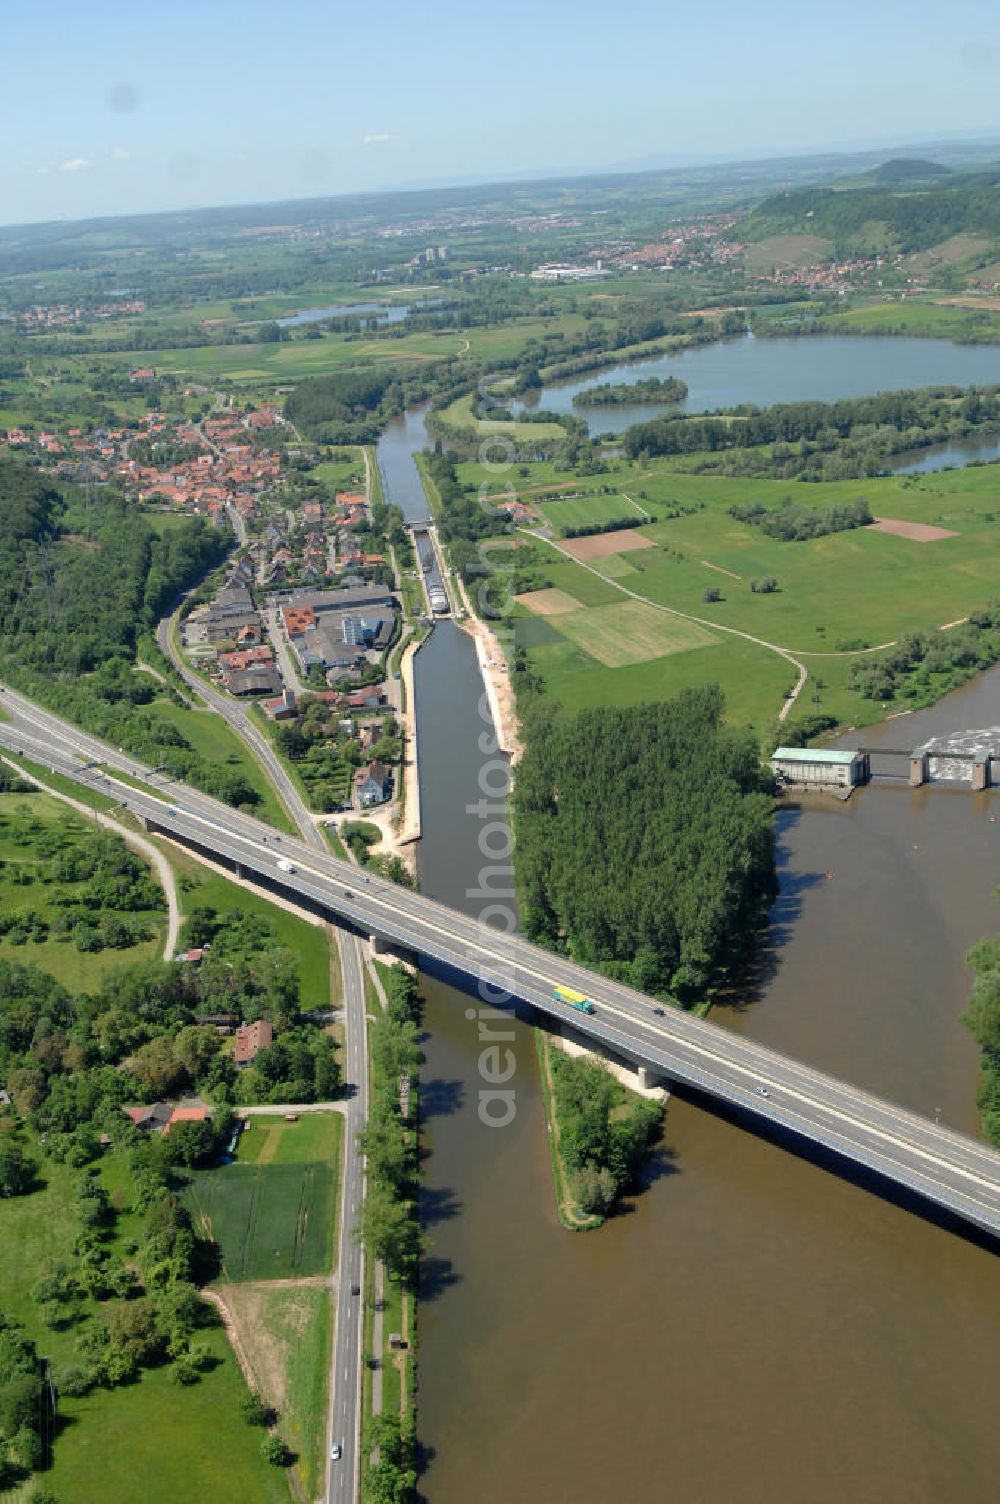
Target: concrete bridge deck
{"points": [[946, 1168]]}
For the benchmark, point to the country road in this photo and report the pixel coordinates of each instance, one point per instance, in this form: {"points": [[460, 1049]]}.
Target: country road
{"points": [[346, 1367]]}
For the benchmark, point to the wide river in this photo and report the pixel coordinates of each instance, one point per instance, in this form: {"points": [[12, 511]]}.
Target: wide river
{"points": [[753, 1327]]}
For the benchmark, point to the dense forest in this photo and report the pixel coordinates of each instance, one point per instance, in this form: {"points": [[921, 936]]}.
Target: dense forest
{"points": [[654, 389], [346, 407], [81, 581], [645, 842], [819, 440]]}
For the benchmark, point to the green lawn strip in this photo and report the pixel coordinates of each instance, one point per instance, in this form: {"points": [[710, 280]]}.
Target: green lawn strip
{"points": [[336, 844], [156, 791], [60, 784], [565, 1209], [368, 1352], [218, 746], [430, 486], [377, 493], [414, 603], [301, 1319], [392, 1321], [395, 1379]]}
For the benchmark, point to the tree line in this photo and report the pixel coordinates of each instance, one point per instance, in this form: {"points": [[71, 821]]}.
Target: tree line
{"points": [[645, 840], [922, 665], [794, 523], [653, 389], [604, 1131]]}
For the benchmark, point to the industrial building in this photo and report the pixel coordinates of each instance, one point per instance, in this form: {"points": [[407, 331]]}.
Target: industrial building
{"points": [[819, 767]]}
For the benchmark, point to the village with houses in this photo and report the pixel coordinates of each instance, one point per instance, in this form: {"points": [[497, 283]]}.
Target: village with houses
{"points": [[301, 622]]}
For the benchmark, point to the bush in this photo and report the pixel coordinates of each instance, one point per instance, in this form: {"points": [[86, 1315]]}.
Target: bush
{"points": [[274, 1450]]}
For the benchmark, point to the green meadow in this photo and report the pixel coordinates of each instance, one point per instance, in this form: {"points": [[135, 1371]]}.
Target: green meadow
{"points": [[111, 1443], [836, 595], [26, 884]]}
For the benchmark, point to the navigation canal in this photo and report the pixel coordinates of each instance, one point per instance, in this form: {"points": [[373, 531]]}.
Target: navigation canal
{"points": [[753, 1327]]}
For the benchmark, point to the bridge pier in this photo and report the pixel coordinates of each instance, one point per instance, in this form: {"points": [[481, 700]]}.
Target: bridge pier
{"points": [[648, 1078], [919, 767], [981, 772], [379, 945]]}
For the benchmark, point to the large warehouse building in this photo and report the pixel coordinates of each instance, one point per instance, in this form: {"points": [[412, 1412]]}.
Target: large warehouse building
{"points": [[819, 767]]}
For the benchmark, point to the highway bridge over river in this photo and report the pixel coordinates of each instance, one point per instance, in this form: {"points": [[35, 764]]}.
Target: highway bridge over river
{"points": [[946, 1168]]}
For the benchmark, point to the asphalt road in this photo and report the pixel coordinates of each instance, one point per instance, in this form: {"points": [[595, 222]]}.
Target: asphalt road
{"points": [[954, 1171], [347, 1359]]}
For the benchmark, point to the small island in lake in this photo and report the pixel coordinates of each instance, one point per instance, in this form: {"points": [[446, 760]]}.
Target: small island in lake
{"points": [[661, 389]]}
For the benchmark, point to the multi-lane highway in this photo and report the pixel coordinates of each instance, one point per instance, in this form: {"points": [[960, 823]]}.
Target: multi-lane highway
{"points": [[948, 1168]]}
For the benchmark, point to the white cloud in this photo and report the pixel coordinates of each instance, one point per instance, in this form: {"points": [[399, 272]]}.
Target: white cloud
{"points": [[378, 138], [74, 164], [120, 153]]}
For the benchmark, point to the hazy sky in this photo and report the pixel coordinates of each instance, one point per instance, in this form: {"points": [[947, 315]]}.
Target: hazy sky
{"points": [[108, 107]]}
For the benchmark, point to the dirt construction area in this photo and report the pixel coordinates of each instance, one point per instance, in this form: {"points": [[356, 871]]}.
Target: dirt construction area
{"points": [[917, 532], [601, 544]]}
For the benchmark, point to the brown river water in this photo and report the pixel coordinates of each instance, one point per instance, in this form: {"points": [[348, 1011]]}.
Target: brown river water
{"points": [[754, 1326]]}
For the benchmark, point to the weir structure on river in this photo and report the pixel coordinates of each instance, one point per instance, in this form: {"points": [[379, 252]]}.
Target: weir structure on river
{"points": [[977, 764]]}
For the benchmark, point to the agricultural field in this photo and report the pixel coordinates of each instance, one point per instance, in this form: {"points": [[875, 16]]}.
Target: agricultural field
{"points": [[783, 251], [273, 1216], [267, 363], [932, 561], [916, 317], [286, 1333]]}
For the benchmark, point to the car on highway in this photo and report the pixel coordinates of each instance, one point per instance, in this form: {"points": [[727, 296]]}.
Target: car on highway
{"points": [[763, 1091], [335, 1452], [285, 864], [658, 1012]]}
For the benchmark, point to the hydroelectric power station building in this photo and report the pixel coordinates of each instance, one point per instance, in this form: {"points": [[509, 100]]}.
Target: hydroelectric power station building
{"points": [[819, 767]]}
